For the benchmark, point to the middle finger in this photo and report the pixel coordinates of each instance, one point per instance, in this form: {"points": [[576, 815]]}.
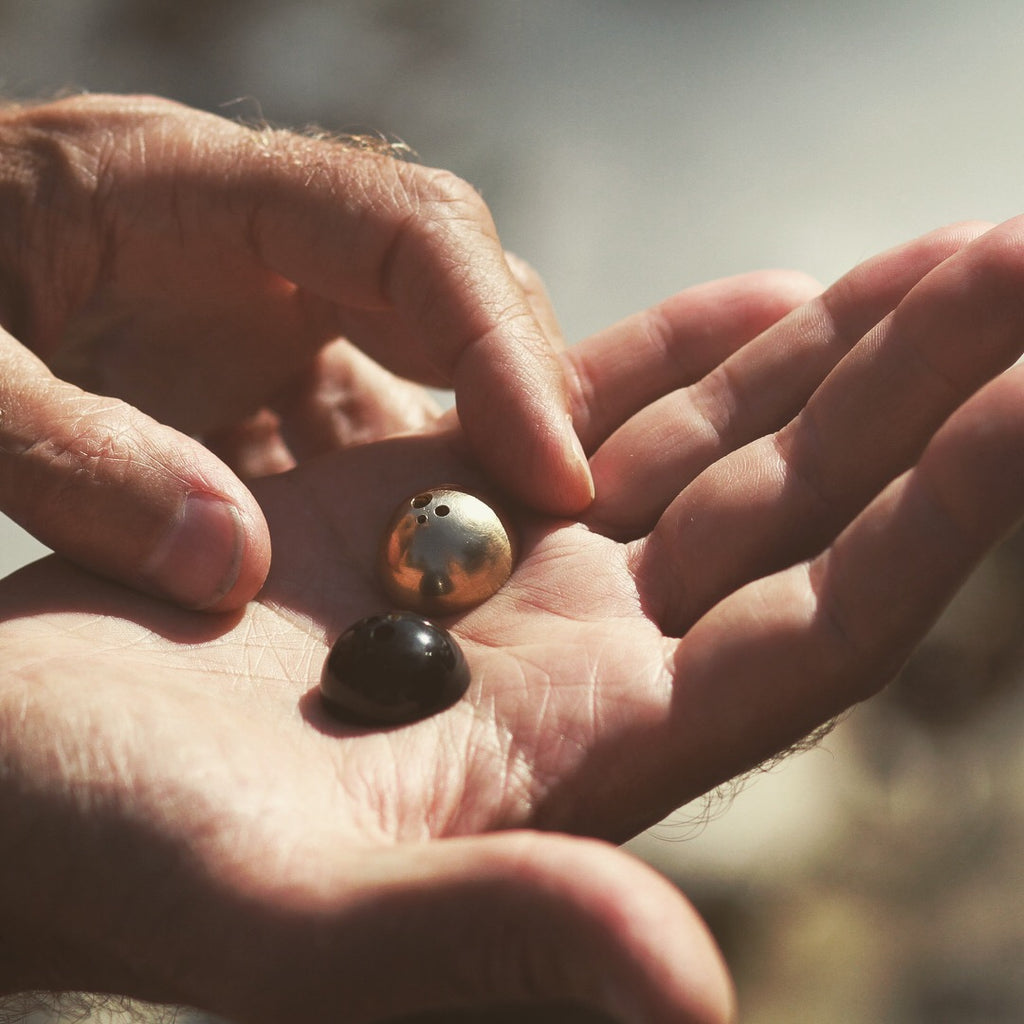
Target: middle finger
{"points": [[783, 497], [753, 392]]}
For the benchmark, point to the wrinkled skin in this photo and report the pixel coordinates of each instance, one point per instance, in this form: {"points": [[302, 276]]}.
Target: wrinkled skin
{"points": [[169, 277], [183, 821]]}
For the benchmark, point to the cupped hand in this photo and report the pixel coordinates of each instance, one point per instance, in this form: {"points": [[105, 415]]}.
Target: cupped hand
{"points": [[184, 815], [186, 823], [167, 275]]}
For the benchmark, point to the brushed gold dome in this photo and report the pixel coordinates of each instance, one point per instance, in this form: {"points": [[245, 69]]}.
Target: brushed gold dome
{"points": [[445, 551]]}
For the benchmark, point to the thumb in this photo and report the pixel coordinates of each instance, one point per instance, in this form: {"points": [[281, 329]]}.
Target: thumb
{"points": [[516, 918], [123, 495]]}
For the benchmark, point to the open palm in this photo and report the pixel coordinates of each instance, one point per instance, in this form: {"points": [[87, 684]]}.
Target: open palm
{"points": [[730, 592], [202, 738]]}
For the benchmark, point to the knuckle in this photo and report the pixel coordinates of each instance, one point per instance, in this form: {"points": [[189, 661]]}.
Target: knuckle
{"points": [[438, 209], [58, 188], [435, 188], [441, 226]]}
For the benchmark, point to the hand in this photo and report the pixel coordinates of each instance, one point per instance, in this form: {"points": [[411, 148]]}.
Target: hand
{"points": [[284, 846], [187, 825], [815, 501], [188, 272]]}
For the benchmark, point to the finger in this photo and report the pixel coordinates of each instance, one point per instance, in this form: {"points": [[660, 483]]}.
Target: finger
{"points": [[347, 398], [783, 497], [254, 447], [537, 296], [800, 646], [519, 918], [120, 494], [754, 391], [619, 371], [370, 233]]}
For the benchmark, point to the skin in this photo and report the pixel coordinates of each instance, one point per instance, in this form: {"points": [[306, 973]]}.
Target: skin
{"points": [[183, 822], [165, 272]]}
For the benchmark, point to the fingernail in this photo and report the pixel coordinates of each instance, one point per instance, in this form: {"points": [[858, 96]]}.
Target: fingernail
{"points": [[200, 557], [578, 460]]}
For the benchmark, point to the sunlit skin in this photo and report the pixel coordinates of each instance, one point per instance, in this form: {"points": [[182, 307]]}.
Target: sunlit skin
{"points": [[182, 814], [163, 268]]}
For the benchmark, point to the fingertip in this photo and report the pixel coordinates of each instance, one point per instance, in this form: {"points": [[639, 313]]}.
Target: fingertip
{"points": [[255, 562], [577, 490], [522, 433], [553, 478]]}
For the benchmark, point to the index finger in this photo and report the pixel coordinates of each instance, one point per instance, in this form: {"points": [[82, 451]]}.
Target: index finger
{"points": [[371, 233], [361, 235]]}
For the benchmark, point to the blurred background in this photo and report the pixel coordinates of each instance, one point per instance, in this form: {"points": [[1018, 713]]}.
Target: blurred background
{"points": [[629, 149]]}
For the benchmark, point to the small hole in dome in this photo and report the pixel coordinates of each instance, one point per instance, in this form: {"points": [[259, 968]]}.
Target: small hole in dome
{"points": [[382, 634], [422, 500], [442, 510], [421, 519]]}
